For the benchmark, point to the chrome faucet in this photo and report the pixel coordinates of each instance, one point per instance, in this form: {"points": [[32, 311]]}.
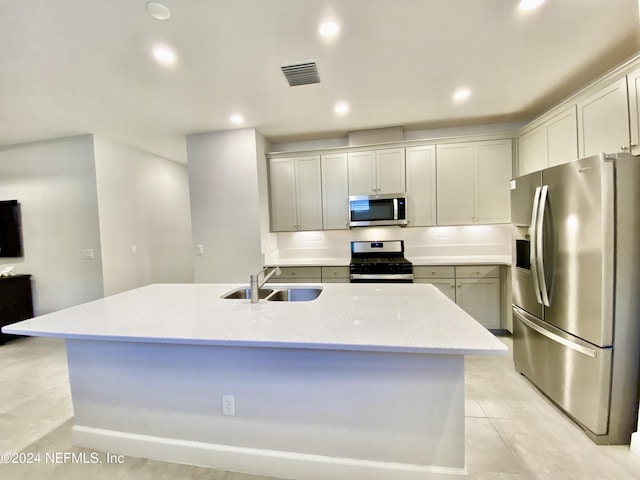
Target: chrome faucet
{"points": [[255, 284]]}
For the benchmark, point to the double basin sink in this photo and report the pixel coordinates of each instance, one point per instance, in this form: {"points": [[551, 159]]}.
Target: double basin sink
{"points": [[288, 294]]}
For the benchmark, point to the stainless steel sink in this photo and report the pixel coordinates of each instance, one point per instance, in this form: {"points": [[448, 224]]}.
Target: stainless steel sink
{"points": [[245, 293], [302, 294]]}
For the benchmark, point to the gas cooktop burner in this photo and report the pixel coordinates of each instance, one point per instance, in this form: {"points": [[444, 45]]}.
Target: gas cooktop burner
{"points": [[380, 262]]}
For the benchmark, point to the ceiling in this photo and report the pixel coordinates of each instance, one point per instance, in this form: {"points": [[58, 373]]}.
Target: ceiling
{"points": [[71, 67]]}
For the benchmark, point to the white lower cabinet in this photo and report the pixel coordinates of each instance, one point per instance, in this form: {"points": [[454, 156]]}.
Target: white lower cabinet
{"points": [[335, 275], [298, 275], [476, 289], [310, 274], [448, 287], [441, 277], [480, 298]]}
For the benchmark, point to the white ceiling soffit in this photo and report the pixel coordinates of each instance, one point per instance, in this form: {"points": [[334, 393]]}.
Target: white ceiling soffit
{"points": [[71, 67]]}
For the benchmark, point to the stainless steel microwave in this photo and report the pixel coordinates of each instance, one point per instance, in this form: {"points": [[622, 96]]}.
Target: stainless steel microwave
{"points": [[374, 210]]}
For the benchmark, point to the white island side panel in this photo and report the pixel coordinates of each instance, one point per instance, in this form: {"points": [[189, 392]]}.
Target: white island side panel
{"points": [[299, 413]]}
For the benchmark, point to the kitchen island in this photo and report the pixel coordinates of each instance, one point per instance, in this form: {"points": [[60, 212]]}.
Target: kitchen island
{"points": [[364, 382]]}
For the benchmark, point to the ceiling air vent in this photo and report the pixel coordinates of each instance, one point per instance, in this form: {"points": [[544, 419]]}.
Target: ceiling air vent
{"points": [[301, 73]]}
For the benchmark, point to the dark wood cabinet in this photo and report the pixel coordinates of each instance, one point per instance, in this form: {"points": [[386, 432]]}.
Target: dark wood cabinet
{"points": [[15, 301]]}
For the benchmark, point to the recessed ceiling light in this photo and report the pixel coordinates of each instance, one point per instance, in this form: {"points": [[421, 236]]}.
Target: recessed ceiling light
{"points": [[461, 94], [329, 29], [529, 4], [341, 108], [158, 10], [236, 118], [164, 55]]}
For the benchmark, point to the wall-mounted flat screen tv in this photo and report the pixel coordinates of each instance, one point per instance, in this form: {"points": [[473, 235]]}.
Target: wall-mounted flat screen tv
{"points": [[10, 229]]}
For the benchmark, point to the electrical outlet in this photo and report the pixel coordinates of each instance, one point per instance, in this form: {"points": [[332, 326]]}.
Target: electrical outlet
{"points": [[87, 253], [134, 250], [228, 405]]}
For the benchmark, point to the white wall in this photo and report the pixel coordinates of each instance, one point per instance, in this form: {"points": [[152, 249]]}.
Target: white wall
{"points": [[419, 241], [226, 204], [143, 201], [268, 239], [469, 130], [54, 181], [422, 134]]}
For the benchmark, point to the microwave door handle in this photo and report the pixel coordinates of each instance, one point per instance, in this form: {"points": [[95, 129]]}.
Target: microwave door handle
{"points": [[544, 290], [533, 233], [395, 209]]}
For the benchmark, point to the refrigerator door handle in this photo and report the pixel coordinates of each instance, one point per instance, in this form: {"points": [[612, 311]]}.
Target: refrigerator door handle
{"points": [[542, 282], [590, 352], [533, 260]]}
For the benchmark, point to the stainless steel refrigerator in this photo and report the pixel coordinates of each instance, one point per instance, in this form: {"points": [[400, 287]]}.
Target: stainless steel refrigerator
{"points": [[576, 290]]}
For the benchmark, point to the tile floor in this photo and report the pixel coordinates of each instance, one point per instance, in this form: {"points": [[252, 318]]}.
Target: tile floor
{"points": [[513, 432]]}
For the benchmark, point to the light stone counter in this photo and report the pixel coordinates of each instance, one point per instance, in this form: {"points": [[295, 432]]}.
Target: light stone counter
{"points": [[376, 317], [365, 382], [462, 260], [416, 260]]}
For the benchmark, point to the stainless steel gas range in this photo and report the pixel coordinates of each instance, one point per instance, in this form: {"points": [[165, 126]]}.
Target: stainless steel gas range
{"points": [[379, 262]]}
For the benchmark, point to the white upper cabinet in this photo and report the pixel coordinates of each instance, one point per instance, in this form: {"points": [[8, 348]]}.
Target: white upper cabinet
{"points": [[296, 196], [455, 184], [553, 142], [473, 182], [335, 191], [362, 173], [376, 171], [603, 120], [532, 151], [309, 193], [633, 85], [283, 194], [390, 165], [562, 137], [421, 185], [492, 181]]}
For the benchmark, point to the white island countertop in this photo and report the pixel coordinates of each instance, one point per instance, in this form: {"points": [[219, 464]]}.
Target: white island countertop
{"points": [[411, 318]]}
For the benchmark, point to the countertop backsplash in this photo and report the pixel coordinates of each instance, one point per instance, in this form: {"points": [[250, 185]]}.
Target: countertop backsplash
{"points": [[422, 245]]}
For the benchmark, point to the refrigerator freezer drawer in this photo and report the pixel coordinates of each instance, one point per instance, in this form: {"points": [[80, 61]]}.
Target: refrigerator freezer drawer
{"points": [[575, 374]]}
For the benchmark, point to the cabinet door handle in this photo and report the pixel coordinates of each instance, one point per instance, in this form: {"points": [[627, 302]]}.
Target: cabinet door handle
{"points": [[623, 147]]}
